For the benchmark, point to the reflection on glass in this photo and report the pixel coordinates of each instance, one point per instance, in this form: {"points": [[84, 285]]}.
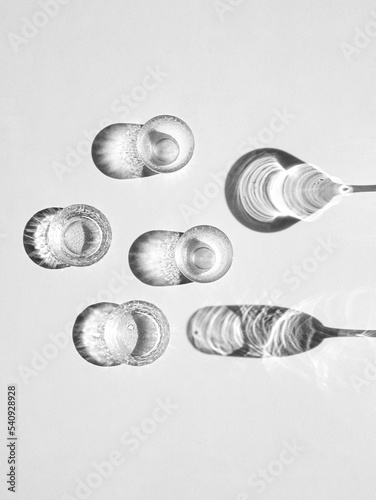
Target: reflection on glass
{"points": [[135, 333], [78, 235], [161, 258], [129, 151]]}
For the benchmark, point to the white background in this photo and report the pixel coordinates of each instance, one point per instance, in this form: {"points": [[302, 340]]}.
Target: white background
{"points": [[226, 70]]}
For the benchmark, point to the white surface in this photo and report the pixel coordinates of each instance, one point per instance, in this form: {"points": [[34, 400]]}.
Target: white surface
{"points": [[225, 77]]}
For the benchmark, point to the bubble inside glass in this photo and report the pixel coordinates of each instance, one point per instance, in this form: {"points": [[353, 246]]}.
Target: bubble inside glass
{"points": [[135, 333]]}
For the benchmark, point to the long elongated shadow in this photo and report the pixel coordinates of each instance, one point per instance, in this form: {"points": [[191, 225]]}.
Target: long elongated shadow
{"points": [[260, 331]]}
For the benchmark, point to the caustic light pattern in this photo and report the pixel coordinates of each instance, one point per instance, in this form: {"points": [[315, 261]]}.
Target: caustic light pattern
{"points": [[270, 190], [129, 151], [164, 258], [259, 331], [135, 333], [78, 235]]}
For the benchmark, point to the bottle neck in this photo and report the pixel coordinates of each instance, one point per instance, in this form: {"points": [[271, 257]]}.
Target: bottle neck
{"points": [[359, 189], [302, 191], [355, 333]]}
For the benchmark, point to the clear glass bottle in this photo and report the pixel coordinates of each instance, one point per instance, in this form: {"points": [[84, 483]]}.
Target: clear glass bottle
{"points": [[163, 258], [78, 235], [129, 151], [135, 333]]}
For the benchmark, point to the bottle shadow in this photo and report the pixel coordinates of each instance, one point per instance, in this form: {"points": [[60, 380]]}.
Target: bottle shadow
{"points": [[232, 189]]}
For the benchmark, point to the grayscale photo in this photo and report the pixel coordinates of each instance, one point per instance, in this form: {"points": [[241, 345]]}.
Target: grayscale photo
{"points": [[188, 242]]}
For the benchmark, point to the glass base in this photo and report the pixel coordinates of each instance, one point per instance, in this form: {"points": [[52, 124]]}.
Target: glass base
{"points": [[135, 333]]}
